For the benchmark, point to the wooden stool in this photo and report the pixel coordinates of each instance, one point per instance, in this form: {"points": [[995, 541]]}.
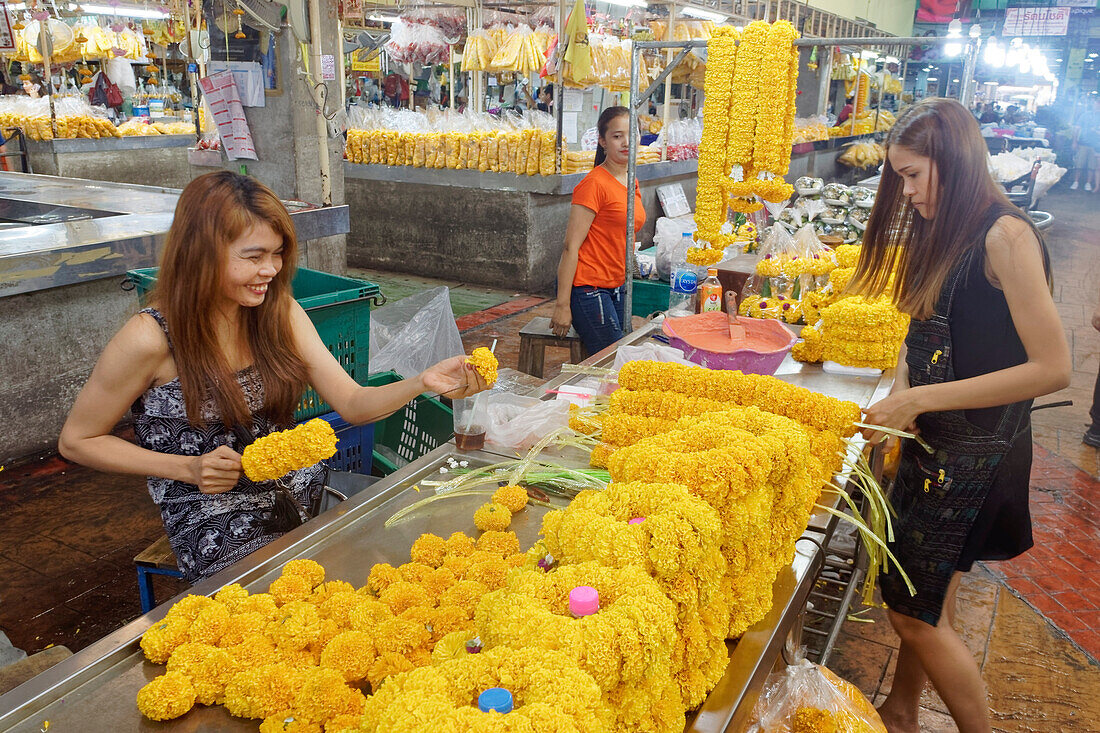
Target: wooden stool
{"points": [[536, 336], [156, 559]]}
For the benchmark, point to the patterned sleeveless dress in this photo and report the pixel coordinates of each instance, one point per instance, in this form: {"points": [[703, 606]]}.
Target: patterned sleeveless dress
{"points": [[210, 532]]}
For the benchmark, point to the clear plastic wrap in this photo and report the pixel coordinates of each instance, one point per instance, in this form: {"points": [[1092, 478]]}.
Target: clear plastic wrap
{"points": [[417, 43], [411, 334], [807, 697]]}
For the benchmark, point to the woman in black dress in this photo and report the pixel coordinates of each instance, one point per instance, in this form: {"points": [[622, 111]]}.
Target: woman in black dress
{"points": [[984, 341]]}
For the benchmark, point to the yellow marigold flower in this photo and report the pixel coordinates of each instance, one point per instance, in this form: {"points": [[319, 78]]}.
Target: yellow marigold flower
{"points": [[263, 691], [451, 646], [208, 667], [297, 626], [163, 638], [231, 595], [188, 608], [518, 560], [486, 364], [351, 653], [404, 595], [259, 603], [240, 625], [414, 572], [166, 697], [367, 616], [704, 256], [492, 516], [210, 624], [288, 588], [388, 665], [457, 565], [438, 581], [490, 572], [311, 570], [499, 543], [847, 255], [255, 649], [813, 720], [460, 544], [382, 576], [465, 594], [429, 550], [339, 606], [343, 724], [448, 619], [323, 695], [511, 496], [286, 722], [279, 453], [326, 590], [401, 635]]}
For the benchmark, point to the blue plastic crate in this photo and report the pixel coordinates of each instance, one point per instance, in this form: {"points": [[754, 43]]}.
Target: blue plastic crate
{"points": [[354, 446]]}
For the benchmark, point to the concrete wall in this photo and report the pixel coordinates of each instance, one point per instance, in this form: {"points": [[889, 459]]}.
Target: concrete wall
{"points": [[478, 236], [50, 347], [166, 167]]}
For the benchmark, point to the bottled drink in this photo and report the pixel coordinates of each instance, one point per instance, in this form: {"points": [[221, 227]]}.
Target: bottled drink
{"points": [[683, 282], [710, 292]]}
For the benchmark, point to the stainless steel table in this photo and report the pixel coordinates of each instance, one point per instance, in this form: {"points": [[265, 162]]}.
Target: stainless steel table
{"points": [[100, 683]]}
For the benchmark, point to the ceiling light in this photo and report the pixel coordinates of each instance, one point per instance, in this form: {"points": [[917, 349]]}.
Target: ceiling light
{"points": [[952, 49], [932, 78], [1091, 56], [955, 29], [703, 15], [129, 12]]}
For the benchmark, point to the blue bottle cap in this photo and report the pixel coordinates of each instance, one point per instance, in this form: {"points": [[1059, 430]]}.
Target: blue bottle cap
{"points": [[495, 698]]}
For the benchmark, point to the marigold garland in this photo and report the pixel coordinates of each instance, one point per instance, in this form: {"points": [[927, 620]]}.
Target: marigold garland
{"points": [[714, 165], [279, 453]]}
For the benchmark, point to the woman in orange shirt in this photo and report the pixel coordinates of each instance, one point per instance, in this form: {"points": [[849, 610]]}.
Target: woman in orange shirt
{"points": [[592, 270]]}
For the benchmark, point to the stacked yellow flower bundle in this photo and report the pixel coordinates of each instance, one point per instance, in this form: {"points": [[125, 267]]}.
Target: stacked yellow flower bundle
{"points": [[70, 126], [524, 152], [859, 332], [279, 453], [745, 151]]}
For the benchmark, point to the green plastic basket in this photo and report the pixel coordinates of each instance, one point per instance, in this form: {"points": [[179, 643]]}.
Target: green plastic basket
{"points": [[340, 310], [417, 428], [648, 297]]}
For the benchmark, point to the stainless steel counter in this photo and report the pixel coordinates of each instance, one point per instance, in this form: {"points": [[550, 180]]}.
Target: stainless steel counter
{"points": [[124, 230], [100, 683]]}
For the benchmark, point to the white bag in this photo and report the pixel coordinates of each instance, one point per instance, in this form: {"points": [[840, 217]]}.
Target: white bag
{"points": [[519, 422], [411, 334]]}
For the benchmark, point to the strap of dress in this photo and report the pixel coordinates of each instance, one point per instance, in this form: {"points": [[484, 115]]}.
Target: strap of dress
{"points": [[159, 318], [977, 252]]}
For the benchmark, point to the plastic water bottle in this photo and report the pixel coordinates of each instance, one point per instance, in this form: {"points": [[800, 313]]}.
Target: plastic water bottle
{"points": [[683, 282]]}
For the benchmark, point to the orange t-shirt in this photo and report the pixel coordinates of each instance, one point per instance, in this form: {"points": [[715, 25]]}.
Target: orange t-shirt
{"points": [[602, 259]]}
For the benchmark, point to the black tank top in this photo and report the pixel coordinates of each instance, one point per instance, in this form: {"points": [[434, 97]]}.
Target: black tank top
{"points": [[983, 335]]}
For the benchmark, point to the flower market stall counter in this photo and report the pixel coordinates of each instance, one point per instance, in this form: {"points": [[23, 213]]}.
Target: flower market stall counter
{"points": [[147, 160], [96, 688], [65, 245], [481, 228]]}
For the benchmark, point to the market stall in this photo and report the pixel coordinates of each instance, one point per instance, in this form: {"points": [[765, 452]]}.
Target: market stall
{"points": [[100, 682], [65, 245]]}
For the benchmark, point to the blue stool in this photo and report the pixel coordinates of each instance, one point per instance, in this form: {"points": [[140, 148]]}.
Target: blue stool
{"points": [[156, 559]]}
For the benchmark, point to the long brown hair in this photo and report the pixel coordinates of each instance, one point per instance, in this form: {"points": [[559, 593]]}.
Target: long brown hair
{"points": [[213, 211], [924, 251]]}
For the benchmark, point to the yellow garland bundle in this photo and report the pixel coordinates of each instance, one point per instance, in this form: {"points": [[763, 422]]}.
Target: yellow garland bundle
{"points": [[768, 393], [549, 691], [279, 453], [626, 646], [714, 165], [775, 117], [859, 332], [677, 541]]}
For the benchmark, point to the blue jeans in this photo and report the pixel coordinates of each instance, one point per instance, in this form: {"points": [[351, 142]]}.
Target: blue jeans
{"points": [[597, 315]]}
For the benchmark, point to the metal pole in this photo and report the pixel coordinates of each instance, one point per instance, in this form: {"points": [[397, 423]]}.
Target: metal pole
{"points": [[321, 125], [668, 83], [966, 94], [825, 68], [451, 75], [559, 91], [47, 52], [631, 177]]}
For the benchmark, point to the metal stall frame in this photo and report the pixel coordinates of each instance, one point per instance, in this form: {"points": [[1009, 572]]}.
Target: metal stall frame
{"points": [[637, 99]]}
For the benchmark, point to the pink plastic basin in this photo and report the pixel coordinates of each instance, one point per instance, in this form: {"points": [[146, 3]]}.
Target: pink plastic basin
{"points": [[714, 329]]}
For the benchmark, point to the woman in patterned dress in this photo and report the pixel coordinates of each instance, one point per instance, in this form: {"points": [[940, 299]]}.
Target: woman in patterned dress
{"points": [[222, 357]]}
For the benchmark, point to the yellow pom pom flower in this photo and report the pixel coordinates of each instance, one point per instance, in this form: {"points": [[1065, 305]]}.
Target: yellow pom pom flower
{"points": [[166, 697], [492, 516], [512, 496], [486, 364]]}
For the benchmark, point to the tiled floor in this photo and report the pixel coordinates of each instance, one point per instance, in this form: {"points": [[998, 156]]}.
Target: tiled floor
{"points": [[69, 534]]}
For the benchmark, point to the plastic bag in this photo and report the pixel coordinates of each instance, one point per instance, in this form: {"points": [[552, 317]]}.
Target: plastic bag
{"points": [[648, 351], [807, 697], [413, 333], [667, 237], [514, 421]]}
